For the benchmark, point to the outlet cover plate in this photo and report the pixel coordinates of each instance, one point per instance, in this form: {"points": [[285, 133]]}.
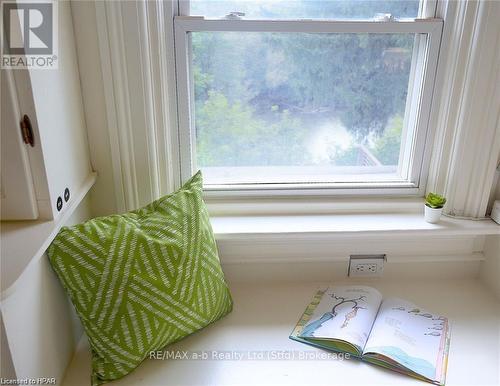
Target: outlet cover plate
{"points": [[366, 265]]}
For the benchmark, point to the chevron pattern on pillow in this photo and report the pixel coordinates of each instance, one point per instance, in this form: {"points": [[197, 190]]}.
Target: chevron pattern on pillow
{"points": [[142, 280]]}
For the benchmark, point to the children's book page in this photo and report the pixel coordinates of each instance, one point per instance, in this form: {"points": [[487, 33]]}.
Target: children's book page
{"points": [[346, 313], [411, 336]]}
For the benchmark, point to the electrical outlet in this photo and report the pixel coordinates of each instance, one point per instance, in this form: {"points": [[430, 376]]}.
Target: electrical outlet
{"points": [[366, 265]]}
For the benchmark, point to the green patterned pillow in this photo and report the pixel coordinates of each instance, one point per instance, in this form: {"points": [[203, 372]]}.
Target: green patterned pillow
{"points": [[142, 280]]}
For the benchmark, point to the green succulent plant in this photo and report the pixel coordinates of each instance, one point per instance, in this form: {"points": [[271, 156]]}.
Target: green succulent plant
{"points": [[435, 201]]}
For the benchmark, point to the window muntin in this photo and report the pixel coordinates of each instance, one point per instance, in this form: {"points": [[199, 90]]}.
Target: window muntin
{"points": [[305, 9], [411, 169]]}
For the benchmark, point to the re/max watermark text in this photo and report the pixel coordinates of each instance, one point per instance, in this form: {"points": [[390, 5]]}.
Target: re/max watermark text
{"points": [[247, 355]]}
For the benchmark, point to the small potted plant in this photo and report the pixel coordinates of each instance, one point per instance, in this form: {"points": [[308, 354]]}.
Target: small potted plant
{"points": [[433, 207]]}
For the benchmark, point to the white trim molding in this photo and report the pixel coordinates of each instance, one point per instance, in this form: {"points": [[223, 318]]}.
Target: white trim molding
{"points": [[467, 143], [110, 34], [134, 41]]}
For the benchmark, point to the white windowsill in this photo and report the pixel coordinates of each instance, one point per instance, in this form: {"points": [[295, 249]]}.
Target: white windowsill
{"points": [[344, 225]]}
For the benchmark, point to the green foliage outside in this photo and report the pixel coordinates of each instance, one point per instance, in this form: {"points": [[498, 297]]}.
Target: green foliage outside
{"points": [[259, 97], [232, 136], [386, 147]]}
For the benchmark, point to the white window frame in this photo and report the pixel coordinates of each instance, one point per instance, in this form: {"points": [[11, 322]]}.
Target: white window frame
{"points": [[424, 65], [461, 151]]}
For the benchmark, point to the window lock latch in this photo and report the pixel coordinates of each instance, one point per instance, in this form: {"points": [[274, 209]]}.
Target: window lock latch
{"points": [[234, 15], [384, 17]]}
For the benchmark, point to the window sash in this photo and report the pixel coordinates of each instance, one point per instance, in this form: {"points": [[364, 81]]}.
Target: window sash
{"points": [[423, 67], [185, 24]]}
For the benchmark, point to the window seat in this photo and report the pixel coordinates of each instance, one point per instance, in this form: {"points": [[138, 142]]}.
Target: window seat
{"points": [[264, 316]]}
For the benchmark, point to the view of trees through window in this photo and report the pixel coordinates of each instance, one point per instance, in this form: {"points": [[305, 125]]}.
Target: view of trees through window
{"points": [[298, 99]]}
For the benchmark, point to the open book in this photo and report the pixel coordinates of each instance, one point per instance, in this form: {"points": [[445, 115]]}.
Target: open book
{"points": [[392, 333]]}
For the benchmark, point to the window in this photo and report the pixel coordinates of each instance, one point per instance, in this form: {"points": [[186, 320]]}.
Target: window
{"points": [[301, 95]]}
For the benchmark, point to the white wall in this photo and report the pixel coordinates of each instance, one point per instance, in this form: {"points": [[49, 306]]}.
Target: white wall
{"points": [[6, 365], [102, 196], [41, 327], [327, 259], [490, 268]]}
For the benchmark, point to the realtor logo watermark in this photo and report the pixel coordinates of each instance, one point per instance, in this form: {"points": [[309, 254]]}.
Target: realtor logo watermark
{"points": [[29, 34]]}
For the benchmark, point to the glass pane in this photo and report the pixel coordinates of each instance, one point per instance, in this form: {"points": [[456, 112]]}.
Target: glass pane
{"points": [[309, 9], [290, 107]]}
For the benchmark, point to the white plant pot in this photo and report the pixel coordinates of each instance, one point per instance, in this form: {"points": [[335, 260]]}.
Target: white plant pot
{"points": [[432, 215]]}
